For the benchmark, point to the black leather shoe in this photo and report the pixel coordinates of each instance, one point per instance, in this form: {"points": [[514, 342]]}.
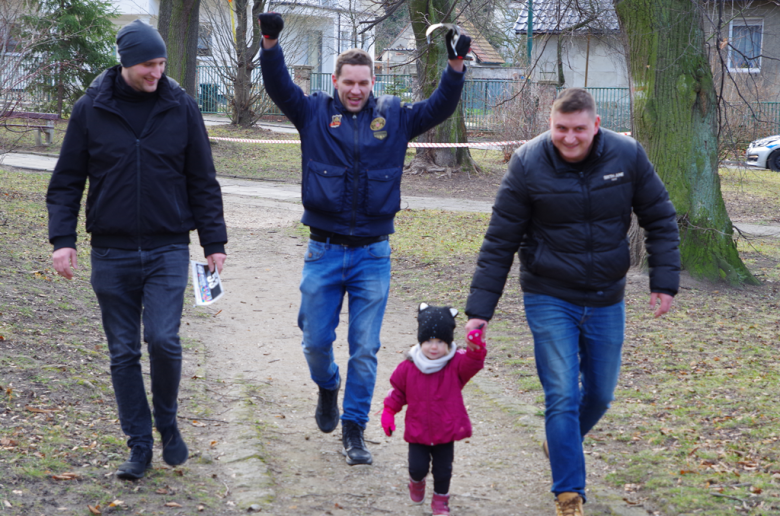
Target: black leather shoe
{"points": [[140, 460], [174, 451], [354, 446], [327, 413]]}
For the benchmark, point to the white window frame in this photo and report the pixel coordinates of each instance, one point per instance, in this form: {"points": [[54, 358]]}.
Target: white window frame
{"points": [[746, 22]]}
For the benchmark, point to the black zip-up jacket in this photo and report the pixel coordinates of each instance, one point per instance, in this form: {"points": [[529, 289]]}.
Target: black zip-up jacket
{"points": [[570, 224], [146, 190]]}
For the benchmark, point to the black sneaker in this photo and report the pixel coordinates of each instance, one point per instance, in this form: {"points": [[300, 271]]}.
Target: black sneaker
{"points": [[354, 446], [327, 413], [140, 460], [174, 451]]}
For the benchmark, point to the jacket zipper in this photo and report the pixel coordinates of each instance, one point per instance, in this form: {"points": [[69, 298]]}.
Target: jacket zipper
{"points": [[355, 173], [589, 247], [138, 188]]}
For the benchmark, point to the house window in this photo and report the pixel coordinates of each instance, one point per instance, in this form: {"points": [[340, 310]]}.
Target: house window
{"points": [[204, 40], [745, 48], [345, 41]]}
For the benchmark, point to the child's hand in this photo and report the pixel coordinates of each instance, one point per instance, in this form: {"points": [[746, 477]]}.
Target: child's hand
{"points": [[388, 421], [475, 339]]}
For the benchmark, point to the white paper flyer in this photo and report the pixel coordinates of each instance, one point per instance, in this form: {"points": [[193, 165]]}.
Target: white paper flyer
{"points": [[207, 285]]}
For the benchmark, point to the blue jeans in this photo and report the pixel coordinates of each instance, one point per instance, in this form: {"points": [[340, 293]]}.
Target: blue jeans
{"points": [[363, 273], [578, 352], [132, 286]]}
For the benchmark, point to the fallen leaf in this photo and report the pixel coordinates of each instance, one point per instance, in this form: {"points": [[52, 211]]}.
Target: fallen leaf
{"points": [[162, 491], [8, 442], [213, 443], [95, 509], [40, 411], [70, 475], [173, 504], [7, 503], [195, 422], [116, 503], [200, 508]]}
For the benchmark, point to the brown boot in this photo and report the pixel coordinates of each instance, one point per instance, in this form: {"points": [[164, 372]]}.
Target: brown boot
{"points": [[569, 504]]}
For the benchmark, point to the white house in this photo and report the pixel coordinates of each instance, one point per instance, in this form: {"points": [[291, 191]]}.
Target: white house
{"points": [[590, 53], [316, 31]]}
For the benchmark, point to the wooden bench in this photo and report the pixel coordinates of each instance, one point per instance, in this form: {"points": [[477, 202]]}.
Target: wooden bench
{"points": [[43, 122]]}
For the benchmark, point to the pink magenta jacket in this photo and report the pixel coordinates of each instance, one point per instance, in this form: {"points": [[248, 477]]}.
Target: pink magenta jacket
{"points": [[436, 413]]}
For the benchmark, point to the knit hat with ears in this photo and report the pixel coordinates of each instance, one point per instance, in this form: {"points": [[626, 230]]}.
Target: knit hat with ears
{"points": [[435, 322]]}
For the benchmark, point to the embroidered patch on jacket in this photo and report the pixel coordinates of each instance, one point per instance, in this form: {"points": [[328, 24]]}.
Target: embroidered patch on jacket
{"points": [[377, 123], [380, 135], [613, 177], [335, 121]]}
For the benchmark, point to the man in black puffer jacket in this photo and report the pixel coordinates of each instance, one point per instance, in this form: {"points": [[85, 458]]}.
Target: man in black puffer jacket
{"points": [[565, 204], [140, 140]]}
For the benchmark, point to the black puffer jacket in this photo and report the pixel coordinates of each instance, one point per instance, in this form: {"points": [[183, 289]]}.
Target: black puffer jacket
{"points": [[570, 223], [146, 190]]}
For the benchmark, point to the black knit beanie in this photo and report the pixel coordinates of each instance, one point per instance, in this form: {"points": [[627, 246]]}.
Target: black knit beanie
{"points": [[435, 322], [138, 42]]}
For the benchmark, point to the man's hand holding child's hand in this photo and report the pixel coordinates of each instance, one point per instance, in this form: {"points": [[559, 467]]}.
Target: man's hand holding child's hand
{"points": [[475, 340]]}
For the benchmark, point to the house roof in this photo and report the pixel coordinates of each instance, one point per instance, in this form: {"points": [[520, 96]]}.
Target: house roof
{"points": [[483, 51], [556, 16]]}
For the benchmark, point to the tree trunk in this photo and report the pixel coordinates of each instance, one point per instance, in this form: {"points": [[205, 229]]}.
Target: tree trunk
{"points": [[178, 25], [675, 119], [433, 59], [243, 97]]}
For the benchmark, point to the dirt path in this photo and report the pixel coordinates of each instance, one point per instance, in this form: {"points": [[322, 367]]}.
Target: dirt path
{"points": [[272, 454]]}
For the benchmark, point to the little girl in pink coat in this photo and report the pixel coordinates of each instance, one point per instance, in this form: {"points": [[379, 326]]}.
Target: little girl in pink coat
{"points": [[430, 381]]}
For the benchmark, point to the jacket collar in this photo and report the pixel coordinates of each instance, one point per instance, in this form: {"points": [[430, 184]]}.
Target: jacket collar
{"points": [[562, 166], [102, 90]]}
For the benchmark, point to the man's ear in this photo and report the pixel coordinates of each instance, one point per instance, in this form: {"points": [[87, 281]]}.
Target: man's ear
{"points": [[454, 312]]}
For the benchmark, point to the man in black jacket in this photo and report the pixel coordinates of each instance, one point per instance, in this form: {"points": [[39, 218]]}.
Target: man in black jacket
{"points": [[565, 204], [141, 141]]}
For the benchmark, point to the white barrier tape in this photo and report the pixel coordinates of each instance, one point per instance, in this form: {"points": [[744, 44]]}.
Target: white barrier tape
{"points": [[412, 144]]}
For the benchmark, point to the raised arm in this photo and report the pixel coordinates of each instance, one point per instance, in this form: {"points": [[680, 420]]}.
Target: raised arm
{"points": [[276, 78]]}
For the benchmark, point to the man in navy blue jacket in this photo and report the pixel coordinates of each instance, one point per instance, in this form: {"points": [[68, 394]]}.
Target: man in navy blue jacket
{"points": [[353, 148], [140, 140]]}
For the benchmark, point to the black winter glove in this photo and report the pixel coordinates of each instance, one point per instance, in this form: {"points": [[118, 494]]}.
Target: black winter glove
{"points": [[271, 24], [462, 47]]}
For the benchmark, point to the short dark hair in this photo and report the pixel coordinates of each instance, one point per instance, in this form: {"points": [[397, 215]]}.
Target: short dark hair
{"points": [[572, 100], [354, 56]]}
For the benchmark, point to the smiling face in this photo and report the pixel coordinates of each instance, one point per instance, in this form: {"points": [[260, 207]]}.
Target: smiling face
{"points": [[573, 133], [434, 348], [145, 76], [354, 85]]}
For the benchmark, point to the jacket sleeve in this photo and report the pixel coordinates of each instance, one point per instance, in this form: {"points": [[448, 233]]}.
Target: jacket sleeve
{"points": [[203, 191], [658, 218], [471, 364], [396, 398], [280, 87], [508, 224], [66, 187], [429, 113]]}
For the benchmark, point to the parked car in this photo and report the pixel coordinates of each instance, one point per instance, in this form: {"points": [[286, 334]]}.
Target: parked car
{"points": [[764, 153]]}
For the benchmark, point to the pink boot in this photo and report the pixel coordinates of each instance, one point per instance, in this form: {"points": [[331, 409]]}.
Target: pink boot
{"points": [[440, 505], [417, 491]]}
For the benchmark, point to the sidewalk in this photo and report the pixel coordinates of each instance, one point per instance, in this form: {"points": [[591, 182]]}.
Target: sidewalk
{"points": [[292, 193]]}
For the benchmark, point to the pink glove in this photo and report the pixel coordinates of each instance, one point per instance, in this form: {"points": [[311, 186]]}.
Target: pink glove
{"points": [[475, 337], [388, 421]]}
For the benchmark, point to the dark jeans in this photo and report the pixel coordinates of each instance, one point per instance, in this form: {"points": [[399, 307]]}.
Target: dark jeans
{"points": [[420, 457], [132, 286]]}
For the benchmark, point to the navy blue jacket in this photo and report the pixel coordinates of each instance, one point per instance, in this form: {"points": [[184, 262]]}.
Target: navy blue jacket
{"points": [[146, 190], [569, 223], [352, 162]]}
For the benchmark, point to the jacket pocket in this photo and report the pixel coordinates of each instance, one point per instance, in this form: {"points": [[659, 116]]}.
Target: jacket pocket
{"points": [[325, 187], [383, 195]]}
